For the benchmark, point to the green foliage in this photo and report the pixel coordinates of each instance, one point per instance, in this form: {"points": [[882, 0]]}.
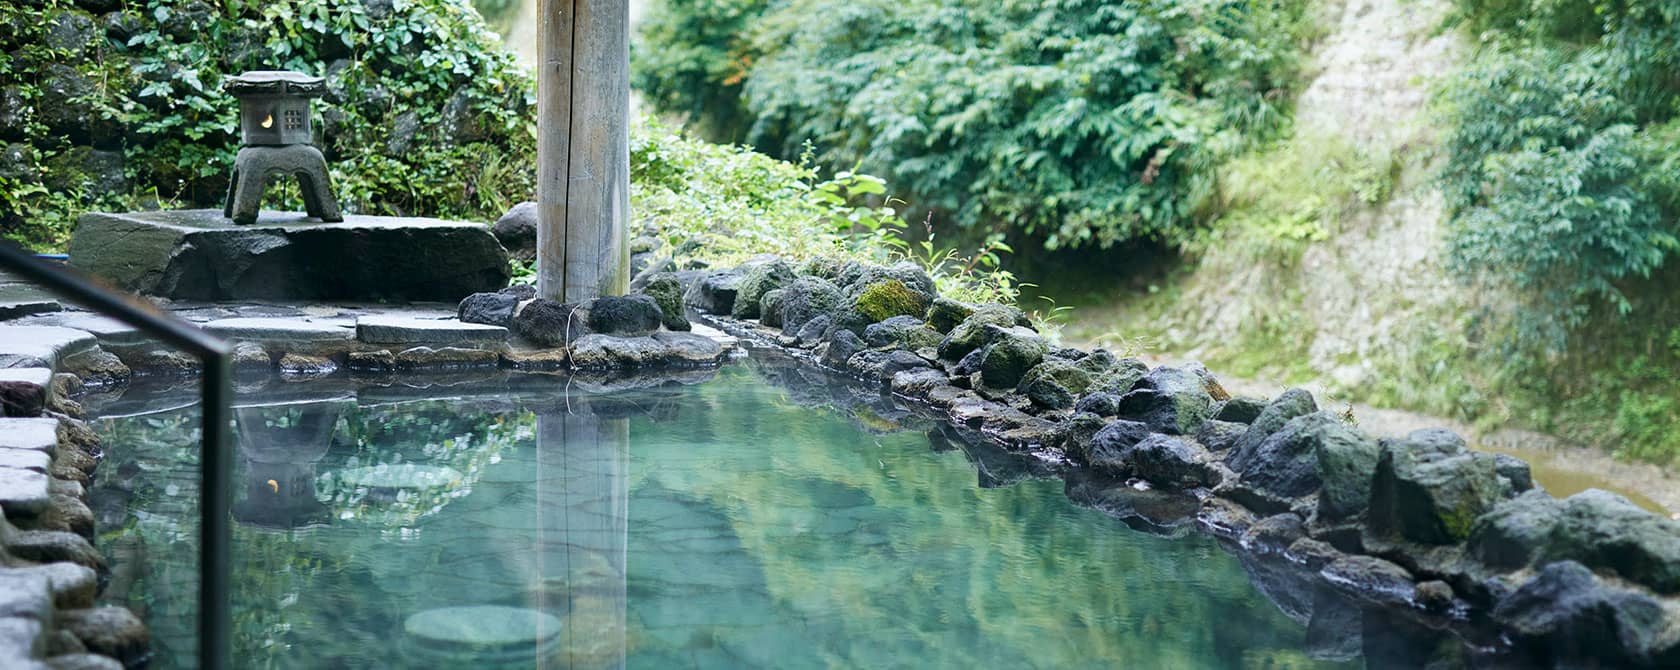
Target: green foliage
{"points": [[1079, 122], [723, 204], [1560, 174], [692, 57], [1274, 202], [426, 114]]}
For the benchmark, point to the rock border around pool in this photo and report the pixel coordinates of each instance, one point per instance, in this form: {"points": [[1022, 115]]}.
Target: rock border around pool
{"points": [[1419, 524], [509, 329], [50, 572]]}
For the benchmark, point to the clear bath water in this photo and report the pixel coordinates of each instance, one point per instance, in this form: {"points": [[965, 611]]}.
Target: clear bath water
{"points": [[721, 523]]}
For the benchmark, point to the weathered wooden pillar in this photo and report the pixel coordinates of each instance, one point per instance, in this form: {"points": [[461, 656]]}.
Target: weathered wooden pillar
{"points": [[583, 149]]}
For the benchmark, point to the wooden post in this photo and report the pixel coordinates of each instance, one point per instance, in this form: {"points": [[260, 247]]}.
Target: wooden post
{"points": [[583, 150]]}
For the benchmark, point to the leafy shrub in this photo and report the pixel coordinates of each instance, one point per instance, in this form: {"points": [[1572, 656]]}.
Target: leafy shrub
{"points": [[426, 114], [1079, 122], [725, 203], [1559, 185]]}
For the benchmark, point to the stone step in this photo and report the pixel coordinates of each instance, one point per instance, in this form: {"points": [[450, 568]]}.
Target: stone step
{"points": [[24, 391], [18, 299], [23, 493], [110, 332], [41, 346], [289, 335], [407, 331], [33, 434]]}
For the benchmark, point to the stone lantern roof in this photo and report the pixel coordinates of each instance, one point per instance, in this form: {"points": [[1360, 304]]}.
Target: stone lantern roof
{"points": [[275, 82]]}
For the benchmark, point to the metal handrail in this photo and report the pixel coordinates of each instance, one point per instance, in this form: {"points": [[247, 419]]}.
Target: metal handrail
{"points": [[215, 616]]}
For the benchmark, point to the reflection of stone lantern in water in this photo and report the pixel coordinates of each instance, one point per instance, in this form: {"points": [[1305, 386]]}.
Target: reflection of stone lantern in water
{"points": [[280, 445], [275, 136]]}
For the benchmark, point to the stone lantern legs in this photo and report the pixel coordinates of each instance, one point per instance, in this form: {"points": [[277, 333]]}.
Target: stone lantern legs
{"points": [[255, 164]]}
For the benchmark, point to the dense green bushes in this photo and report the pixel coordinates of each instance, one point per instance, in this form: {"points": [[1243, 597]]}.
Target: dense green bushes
{"points": [[1079, 122], [1556, 171], [426, 115], [1564, 187]]}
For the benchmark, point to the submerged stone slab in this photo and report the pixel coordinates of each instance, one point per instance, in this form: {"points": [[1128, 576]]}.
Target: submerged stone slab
{"points": [[391, 329], [199, 255], [41, 346]]}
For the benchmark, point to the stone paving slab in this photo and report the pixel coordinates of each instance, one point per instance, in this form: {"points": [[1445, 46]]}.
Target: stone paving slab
{"points": [[25, 595], [109, 331], [26, 459], [71, 586], [18, 300], [23, 492], [290, 335], [41, 346], [407, 330], [34, 434]]}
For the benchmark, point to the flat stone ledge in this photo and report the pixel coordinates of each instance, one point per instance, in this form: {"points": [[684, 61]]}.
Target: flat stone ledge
{"points": [[286, 335], [25, 459], [41, 346], [23, 492], [35, 434], [110, 332], [201, 255], [21, 299], [412, 331]]}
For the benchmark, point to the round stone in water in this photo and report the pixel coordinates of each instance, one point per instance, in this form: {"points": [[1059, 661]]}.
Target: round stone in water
{"points": [[490, 628], [401, 476]]}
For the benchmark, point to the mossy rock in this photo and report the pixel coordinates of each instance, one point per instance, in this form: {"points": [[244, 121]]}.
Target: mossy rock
{"points": [[945, 313], [1012, 352], [770, 308], [1054, 384], [886, 299], [759, 280], [667, 292], [973, 333]]}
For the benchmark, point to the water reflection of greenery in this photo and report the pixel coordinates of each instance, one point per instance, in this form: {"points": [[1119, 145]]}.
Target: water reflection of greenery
{"points": [[885, 549], [879, 530], [284, 583]]}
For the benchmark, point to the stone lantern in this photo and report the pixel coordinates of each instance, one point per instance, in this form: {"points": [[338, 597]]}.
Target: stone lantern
{"points": [[275, 135]]}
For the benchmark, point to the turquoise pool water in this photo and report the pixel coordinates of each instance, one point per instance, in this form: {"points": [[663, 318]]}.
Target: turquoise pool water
{"points": [[729, 522]]}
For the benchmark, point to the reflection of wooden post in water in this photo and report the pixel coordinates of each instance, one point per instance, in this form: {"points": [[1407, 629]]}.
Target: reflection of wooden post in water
{"points": [[583, 510]]}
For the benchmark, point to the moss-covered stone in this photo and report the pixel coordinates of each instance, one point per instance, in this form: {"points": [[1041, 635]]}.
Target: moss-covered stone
{"points": [[1430, 490], [886, 299], [770, 308], [1012, 352], [944, 314], [1054, 384], [805, 299], [667, 292], [973, 333], [757, 281], [904, 332]]}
